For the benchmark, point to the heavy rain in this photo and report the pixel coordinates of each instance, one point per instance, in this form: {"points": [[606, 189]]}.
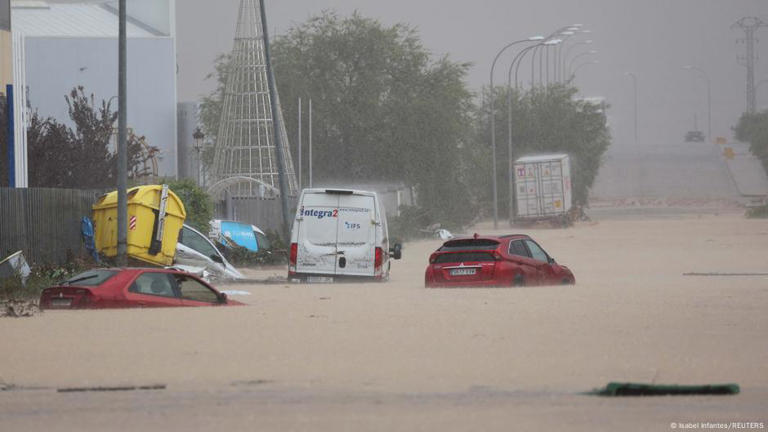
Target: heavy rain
{"points": [[360, 215]]}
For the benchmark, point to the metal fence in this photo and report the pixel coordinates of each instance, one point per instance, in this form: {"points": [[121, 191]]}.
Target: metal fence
{"points": [[43, 223]]}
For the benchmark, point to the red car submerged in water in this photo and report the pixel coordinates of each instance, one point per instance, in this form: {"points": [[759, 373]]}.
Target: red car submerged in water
{"points": [[494, 261], [132, 287]]}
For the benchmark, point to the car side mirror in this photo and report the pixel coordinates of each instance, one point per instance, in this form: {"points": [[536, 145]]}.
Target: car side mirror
{"points": [[396, 251], [217, 258], [550, 260], [222, 298]]}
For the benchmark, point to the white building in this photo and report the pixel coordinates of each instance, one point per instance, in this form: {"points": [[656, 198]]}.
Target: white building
{"points": [[70, 43]]}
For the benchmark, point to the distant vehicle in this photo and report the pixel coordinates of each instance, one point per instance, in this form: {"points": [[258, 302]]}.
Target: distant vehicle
{"points": [[491, 261], [338, 234], [194, 249], [132, 287], [694, 136]]}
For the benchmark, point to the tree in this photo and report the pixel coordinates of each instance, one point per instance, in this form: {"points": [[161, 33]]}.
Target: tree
{"points": [[545, 120], [81, 158], [197, 203], [753, 129], [383, 111]]}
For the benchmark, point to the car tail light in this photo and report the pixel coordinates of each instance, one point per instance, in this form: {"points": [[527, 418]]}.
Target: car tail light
{"points": [[292, 256], [377, 260], [496, 256], [432, 258]]}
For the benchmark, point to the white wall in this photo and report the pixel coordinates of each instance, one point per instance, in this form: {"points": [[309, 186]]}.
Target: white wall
{"points": [[55, 65]]}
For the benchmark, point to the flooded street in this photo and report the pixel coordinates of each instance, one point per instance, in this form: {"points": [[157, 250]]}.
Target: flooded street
{"points": [[396, 356]]}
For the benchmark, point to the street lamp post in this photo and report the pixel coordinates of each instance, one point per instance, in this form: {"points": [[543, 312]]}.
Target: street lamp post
{"points": [[573, 60], [568, 52], [516, 59], [634, 83], [122, 137], [573, 72], [198, 136], [562, 57], [493, 132], [709, 98], [564, 36]]}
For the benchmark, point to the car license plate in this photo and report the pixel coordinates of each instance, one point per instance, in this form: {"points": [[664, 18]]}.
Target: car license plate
{"points": [[61, 302], [319, 279], [463, 271]]}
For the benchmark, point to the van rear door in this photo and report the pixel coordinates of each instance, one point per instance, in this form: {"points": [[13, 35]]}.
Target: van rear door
{"points": [[317, 224], [356, 235]]}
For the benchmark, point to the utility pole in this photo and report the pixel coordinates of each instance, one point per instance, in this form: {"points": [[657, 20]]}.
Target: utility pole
{"points": [[122, 153], [309, 138], [749, 25], [282, 181], [298, 138]]}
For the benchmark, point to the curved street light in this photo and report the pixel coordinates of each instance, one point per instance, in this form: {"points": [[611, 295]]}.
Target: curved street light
{"points": [[515, 61], [577, 56], [564, 36], [493, 128], [570, 48], [547, 44], [709, 98], [579, 66]]}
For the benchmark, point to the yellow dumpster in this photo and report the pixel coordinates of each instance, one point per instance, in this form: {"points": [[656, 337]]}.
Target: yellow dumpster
{"points": [[155, 218]]}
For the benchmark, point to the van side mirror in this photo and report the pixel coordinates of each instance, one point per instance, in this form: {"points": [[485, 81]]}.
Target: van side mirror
{"points": [[396, 251]]}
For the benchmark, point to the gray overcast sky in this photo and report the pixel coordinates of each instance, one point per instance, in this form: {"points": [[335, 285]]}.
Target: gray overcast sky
{"points": [[652, 38]]}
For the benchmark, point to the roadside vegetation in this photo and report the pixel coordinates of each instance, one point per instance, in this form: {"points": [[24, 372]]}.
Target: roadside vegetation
{"points": [[753, 129]]}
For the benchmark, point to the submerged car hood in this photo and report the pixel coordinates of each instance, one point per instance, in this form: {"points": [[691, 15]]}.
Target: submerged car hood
{"points": [[190, 257]]}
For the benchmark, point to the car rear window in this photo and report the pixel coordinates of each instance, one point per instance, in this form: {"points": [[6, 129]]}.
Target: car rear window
{"points": [[458, 257], [469, 244], [90, 278]]}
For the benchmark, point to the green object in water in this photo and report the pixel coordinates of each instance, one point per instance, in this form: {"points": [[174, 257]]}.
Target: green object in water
{"points": [[639, 389]]}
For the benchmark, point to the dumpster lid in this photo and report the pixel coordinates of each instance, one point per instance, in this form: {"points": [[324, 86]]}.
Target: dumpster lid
{"points": [[147, 195]]}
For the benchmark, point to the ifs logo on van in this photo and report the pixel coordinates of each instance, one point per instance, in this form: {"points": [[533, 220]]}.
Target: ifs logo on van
{"points": [[319, 213]]}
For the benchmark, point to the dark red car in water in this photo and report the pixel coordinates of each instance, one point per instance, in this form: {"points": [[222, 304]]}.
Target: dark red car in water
{"points": [[494, 261], [132, 287]]}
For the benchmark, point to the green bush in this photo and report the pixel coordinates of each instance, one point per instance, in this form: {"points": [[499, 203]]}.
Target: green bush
{"points": [[197, 203], [760, 212], [42, 277]]}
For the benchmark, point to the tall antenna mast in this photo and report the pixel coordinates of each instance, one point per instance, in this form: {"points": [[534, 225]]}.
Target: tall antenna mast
{"points": [[749, 25]]}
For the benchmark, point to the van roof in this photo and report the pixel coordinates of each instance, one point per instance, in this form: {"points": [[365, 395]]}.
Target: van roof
{"points": [[344, 191]]}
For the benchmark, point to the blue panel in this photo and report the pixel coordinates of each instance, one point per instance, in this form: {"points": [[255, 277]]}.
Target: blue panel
{"points": [[241, 234]]}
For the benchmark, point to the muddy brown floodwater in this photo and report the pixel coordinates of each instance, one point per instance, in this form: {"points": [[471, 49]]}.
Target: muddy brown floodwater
{"points": [[396, 356]]}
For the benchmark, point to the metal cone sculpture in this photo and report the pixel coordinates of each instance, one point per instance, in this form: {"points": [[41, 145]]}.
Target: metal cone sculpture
{"points": [[245, 160]]}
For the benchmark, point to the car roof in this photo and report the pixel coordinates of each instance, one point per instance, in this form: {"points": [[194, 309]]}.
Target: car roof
{"points": [[498, 238], [338, 190], [138, 269]]}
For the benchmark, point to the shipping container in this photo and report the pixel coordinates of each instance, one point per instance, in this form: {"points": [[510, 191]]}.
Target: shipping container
{"points": [[542, 186]]}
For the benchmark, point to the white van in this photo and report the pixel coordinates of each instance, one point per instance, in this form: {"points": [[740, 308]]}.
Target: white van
{"points": [[339, 234]]}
